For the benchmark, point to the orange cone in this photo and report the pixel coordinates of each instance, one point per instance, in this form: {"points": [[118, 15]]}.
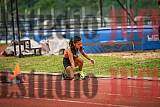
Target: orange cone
{"points": [[16, 70]]}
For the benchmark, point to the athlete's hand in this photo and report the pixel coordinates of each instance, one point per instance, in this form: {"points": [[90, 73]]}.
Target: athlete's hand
{"points": [[92, 61], [74, 68]]}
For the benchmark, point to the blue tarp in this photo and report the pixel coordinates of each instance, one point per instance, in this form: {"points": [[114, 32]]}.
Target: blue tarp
{"points": [[129, 38], [126, 39]]}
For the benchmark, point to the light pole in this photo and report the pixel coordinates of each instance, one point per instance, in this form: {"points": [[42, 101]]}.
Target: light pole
{"points": [[5, 19], [13, 29], [101, 11], [159, 24], [122, 6], [19, 38]]}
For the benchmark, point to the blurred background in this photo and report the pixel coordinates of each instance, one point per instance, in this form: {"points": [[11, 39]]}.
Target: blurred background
{"points": [[39, 19]]}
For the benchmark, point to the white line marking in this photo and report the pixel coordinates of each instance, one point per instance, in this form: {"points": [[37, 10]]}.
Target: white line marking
{"points": [[80, 102]]}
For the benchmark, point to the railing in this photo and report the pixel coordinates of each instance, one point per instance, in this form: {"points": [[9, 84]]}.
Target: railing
{"points": [[31, 25]]}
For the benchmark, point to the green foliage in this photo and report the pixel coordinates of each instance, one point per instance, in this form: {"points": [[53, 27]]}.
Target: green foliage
{"points": [[46, 5]]}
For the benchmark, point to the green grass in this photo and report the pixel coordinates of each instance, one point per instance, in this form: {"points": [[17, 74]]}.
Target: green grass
{"points": [[3, 44], [103, 66]]}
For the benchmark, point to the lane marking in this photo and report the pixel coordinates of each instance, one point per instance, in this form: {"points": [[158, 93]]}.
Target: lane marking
{"points": [[80, 102]]}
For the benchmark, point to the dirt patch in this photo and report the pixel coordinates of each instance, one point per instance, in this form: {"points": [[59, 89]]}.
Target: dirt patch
{"points": [[138, 55]]}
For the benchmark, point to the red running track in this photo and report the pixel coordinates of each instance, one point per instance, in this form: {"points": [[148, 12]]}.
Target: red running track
{"points": [[51, 91]]}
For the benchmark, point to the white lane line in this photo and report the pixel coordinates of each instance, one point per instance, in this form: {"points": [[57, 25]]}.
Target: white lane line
{"points": [[80, 102]]}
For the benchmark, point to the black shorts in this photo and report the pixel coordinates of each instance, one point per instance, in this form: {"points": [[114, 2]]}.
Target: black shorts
{"points": [[66, 62]]}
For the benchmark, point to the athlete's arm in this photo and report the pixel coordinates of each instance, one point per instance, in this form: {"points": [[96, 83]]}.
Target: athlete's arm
{"points": [[86, 56], [70, 55]]}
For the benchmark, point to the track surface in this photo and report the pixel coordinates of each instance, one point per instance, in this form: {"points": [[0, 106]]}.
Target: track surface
{"points": [[52, 91]]}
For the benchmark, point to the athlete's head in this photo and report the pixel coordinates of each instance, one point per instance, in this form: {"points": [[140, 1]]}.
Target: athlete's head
{"points": [[75, 42]]}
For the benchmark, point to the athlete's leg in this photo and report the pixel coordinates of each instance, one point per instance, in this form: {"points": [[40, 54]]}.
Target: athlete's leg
{"points": [[79, 62], [70, 72]]}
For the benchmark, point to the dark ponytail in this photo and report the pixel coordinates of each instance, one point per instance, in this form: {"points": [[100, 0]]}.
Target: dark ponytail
{"points": [[71, 45], [72, 41]]}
